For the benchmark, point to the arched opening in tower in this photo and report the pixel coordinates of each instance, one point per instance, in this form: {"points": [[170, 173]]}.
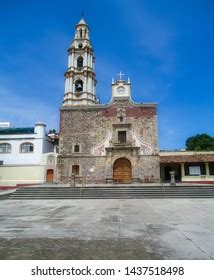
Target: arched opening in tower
{"points": [[79, 86], [80, 62], [81, 33]]}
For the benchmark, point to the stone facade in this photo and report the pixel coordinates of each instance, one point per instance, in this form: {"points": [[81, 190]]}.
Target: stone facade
{"points": [[95, 129]]}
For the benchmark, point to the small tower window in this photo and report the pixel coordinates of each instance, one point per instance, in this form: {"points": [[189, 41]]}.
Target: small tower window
{"points": [[80, 62], [80, 33], [79, 86], [76, 148], [80, 45]]}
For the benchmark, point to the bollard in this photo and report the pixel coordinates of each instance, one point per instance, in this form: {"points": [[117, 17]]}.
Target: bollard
{"points": [[172, 178], [74, 180]]}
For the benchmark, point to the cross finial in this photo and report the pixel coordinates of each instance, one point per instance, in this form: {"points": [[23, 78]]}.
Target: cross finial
{"points": [[121, 74], [82, 14]]}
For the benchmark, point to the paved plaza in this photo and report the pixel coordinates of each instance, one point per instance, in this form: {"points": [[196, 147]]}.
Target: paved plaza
{"points": [[107, 229]]}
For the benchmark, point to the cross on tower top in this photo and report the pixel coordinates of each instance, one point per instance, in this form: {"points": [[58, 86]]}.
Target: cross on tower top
{"points": [[120, 75], [82, 14]]}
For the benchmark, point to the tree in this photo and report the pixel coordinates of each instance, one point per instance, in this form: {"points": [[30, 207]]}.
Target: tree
{"points": [[52, 131], [200, 142]]}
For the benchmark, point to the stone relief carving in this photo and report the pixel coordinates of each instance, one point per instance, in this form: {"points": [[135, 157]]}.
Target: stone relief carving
{"points": [[121, 112], [50, 160], [145, 148], [99, 150]]}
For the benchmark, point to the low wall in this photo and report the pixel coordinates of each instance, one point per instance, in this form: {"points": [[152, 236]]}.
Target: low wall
{"points": [[202, 178], [13, 175]]}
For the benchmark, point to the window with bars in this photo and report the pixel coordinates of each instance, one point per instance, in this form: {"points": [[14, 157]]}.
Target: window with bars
{"points": [[26, 148], [5, 148], [194, 169]]}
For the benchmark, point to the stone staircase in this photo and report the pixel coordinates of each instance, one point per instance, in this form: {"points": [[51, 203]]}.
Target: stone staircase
{"points": [[113, 192]]}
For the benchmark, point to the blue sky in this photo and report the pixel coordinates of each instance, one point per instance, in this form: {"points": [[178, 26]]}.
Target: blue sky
{"points": [[164, 46]]}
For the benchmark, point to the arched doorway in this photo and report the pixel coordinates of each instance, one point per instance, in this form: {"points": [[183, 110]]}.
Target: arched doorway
{"points": [[122, 171], [49, 175]]}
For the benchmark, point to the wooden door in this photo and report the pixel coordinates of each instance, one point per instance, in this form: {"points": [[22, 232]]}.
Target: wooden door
{"points": [[122, 171], [50, 175]]}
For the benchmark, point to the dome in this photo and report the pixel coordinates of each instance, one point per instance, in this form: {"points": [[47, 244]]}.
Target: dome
{"points": [[82, 22]]}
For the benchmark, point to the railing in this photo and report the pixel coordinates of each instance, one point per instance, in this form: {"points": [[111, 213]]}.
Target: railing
{"points": [[73, 182]]}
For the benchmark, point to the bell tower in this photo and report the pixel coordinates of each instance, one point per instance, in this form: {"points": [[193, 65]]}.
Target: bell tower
{"points": [[80, 82]]}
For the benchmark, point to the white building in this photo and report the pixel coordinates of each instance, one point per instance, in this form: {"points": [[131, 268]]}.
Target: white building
{"points": [[27, 156]]}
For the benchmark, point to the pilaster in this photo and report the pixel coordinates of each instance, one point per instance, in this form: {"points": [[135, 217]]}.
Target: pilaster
{"points": [[207, 169]]}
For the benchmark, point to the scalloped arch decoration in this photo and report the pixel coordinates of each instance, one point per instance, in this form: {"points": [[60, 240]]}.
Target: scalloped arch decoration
{"points": [[145, 148], [99, 150]]}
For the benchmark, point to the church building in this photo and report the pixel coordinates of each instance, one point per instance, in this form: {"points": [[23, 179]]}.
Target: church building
{"points": [[113, 143]]}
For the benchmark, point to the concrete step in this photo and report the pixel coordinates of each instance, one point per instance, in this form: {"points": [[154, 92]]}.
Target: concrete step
{"points": [[59, 190], [117, 192]]}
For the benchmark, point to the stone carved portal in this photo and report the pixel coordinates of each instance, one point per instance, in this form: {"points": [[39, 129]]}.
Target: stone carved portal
{"points": [[122, 171]]}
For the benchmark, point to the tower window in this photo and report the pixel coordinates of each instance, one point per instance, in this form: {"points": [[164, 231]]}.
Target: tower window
{"points": [[79, 86], [76, 148], [80, 62], [122, 136], [80, 33], [80, 45]]}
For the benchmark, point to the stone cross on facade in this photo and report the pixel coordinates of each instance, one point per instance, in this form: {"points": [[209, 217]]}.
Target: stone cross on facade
{"points": [[121, 74]]}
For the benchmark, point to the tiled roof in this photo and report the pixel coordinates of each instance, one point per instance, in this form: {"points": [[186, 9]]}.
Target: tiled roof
{"points": [[197, 157]]}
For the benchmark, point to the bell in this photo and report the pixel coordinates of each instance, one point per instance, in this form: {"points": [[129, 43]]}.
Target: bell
{"points": [[79, 87]]}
